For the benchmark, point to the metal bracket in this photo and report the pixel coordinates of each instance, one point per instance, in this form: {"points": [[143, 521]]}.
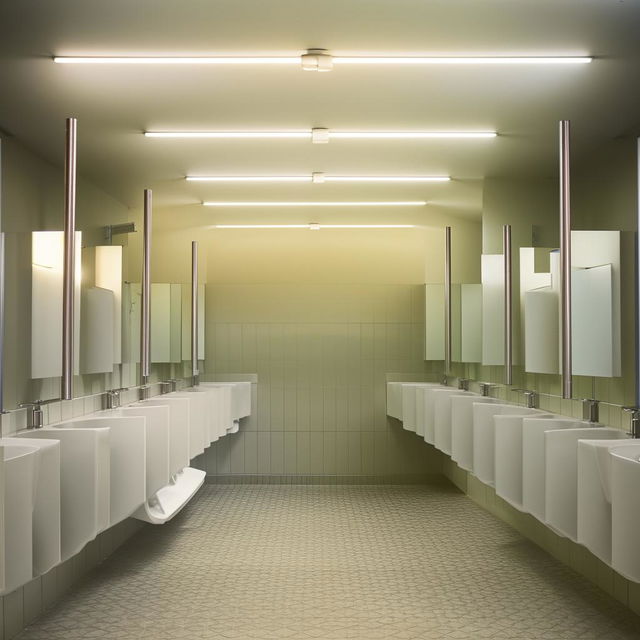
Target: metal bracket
{"points": [[117, 229]]}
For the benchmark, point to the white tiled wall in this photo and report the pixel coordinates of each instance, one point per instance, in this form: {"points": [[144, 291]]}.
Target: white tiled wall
{"points": [[322, 354]]}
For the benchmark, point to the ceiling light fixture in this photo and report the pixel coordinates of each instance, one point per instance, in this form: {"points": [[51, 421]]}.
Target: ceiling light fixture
{"points": [[320, 60], [314, 226], [418, 203], [322, 135], [318, 178]]}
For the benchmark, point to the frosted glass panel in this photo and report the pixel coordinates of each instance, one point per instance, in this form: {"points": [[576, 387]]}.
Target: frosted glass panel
{"points": [[131, 307], [109, 276], [492, 267], [47, 250], [471, 322], [165, 322], [186, 321], [592, 321], [434, 322]]}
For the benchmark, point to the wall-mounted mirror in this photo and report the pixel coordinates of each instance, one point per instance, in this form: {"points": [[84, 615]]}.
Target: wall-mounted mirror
{"points": [[595, 304], [465, 301], [32, 189]]}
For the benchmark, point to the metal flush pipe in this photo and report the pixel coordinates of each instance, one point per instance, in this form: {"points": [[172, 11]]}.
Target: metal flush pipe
{"points": [[447, 300], [508, 313], [68, 301], [145, 316], [194, 314], [565, 260]]}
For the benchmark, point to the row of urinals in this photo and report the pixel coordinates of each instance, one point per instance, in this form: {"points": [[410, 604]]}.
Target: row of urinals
{"points": [[579, 478], [63, 484]]}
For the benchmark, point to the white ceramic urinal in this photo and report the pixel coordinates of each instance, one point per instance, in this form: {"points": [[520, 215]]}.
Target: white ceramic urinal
{"points": [[84, 480], [199, 419], [462, 428], [442, 418], [179, 426], [534, 460], [594, 494], [157, 441], [484, 443], [18, 468], [508, 457], [429, 416], [46, 510], [625, 510], [561, 475], [394, 400]]}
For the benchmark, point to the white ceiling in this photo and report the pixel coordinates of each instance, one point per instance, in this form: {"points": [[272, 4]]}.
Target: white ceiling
{"points": [[114, 104]]}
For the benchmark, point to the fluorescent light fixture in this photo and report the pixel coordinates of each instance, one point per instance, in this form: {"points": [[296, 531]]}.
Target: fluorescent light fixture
{"points": [[313, 61], [418, 203], [229, 134], [221, 60], [409, 135], [428, 60], [248, 178], [318, 178], [314, 226], [308, 134]]}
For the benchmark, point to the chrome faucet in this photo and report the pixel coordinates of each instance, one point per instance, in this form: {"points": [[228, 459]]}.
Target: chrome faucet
{"points": [[591, 410], [485, 388], [531, 398], [463, 384], [635, 421], [111, 399], [35, 418], [169, 386]]}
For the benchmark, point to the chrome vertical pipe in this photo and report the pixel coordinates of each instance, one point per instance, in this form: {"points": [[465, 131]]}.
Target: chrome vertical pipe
{"points": [[637, 292], [565, 261], [447, 300], [508, 305], [2, 267], [145, 315], [194, 313], [68, 290]]}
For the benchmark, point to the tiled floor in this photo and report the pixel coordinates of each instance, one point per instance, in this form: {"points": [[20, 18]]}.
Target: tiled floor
{"points": [[333, 562]]}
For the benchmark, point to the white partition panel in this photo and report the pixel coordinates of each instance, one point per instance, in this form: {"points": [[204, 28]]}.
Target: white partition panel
{"points": [[471, 322], [594, 249], [541, 309], [492, 309], [97, 331], [592, 321], [109, 276]]}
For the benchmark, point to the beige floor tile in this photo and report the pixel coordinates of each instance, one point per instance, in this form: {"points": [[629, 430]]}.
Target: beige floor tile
{"points": [[333, 562]]}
